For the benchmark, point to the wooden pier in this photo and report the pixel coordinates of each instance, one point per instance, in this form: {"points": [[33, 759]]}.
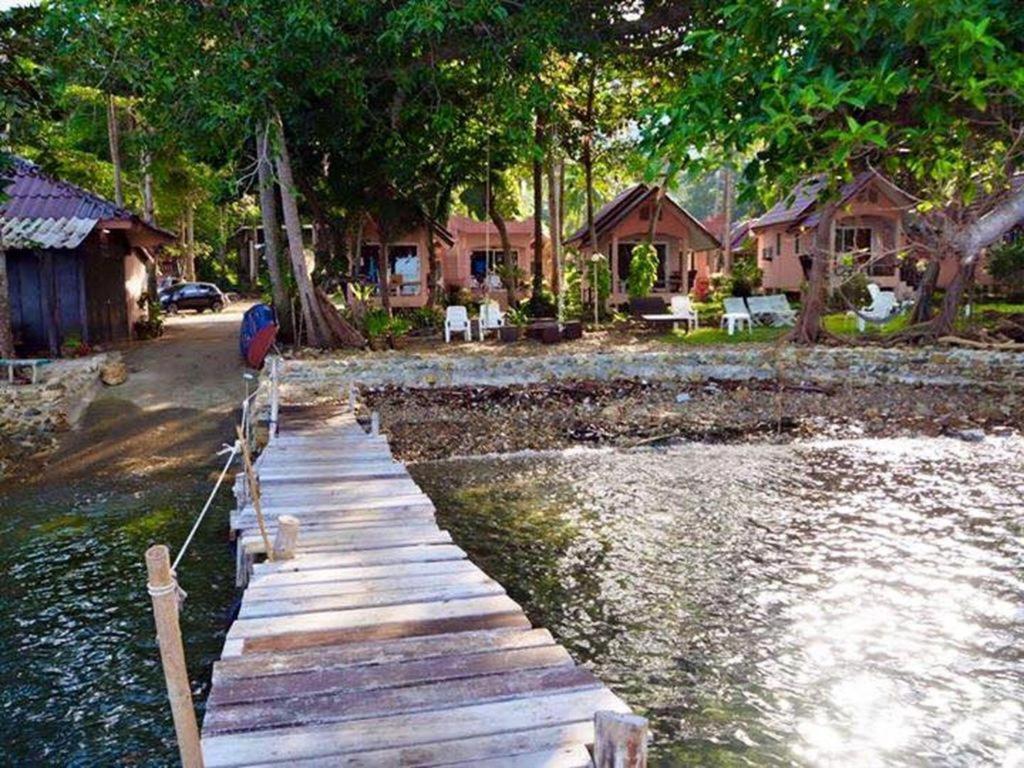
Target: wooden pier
{"points": [[379, 643]]}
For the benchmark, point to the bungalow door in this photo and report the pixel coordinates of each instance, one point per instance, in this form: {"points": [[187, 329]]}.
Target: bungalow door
{"points": [[624, 257]]}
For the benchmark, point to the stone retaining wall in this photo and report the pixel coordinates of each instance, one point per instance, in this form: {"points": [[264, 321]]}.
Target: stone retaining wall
{"points": [[818, 365], [31, 412]]}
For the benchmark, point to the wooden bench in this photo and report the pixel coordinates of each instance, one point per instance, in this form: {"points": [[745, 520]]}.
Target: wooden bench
{"points": [[32, 363]]}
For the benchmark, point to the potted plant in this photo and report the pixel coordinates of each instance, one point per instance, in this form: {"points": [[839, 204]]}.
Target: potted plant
{"points": [[515, 320], [376, 324]]}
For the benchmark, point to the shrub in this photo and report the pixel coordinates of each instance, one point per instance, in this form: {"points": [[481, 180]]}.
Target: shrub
{"points": [[424, 318], [746, 277], [1006, 262], [643, 271], [721, 287], [376, 323], [849, 294]]}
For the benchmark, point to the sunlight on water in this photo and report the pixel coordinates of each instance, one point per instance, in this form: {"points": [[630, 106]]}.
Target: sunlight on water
{"points": [[832, 603]]}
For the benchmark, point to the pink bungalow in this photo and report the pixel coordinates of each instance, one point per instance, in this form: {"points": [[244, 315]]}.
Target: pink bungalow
{"points": [[868, 225], [476, 256], [408, 259], [683, 243]]}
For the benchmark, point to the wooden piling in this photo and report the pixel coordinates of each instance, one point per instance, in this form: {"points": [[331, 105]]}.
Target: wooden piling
{"points": [[620, 740], [163, 590], [287, 536], [275, 397]]}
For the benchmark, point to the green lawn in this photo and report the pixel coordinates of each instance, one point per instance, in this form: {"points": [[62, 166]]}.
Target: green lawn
{"points": [[840, 324]]}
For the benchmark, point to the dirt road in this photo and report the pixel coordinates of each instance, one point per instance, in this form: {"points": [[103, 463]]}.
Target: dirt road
{"points": [[173, 412]]}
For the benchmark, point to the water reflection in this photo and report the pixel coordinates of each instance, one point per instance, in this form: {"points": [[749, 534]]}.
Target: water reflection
{"points": [[853, 603]]}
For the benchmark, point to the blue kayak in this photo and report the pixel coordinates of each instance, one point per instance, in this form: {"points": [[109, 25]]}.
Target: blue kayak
{"points": [[259, 332]]}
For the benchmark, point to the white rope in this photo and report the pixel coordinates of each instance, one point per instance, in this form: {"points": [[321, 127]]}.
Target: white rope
{"points": [[232, 451]]}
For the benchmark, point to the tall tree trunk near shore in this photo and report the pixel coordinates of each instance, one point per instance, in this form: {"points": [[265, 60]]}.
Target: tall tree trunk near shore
{"points": [[808, 328], [384, 268], [922, 311], [317, 331], [727, 221], [114, 140], [272, 234], [554, 206], [538, 211], [6, 334], [945, 321]]}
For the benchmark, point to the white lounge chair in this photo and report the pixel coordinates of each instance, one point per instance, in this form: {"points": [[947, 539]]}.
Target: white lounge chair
{"points": [[883, 306], [456, 320], [491, 318], [771, 310], [735, 314], [680, 311]]}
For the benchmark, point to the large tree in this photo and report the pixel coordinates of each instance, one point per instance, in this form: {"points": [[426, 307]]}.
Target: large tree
{"points": [[930, 93]]}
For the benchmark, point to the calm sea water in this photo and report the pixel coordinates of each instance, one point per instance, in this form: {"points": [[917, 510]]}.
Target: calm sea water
{"points": [[80, 678], [829, 604]]}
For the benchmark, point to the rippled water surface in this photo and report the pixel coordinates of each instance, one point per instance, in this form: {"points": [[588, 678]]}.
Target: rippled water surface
{"points": [[80, 679], [830, 604]]}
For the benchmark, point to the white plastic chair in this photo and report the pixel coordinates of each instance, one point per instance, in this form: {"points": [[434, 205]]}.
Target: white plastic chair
{"points": [[682, 308], [735, 314], [883, 306], [491, 317], [456, 320]]}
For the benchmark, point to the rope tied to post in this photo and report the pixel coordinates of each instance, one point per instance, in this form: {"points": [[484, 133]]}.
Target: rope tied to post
{"points": [[171, 587], [232, 450]]}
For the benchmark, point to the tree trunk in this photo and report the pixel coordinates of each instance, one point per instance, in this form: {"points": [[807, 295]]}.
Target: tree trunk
{"points": [[317, 331], [588, 176], [272, 234], [190, 242], [502, 227], [808, 328], [922, 311], [727, 222], [659, 198], [6, 335], [149, 216], [432, 266], [384, 268], [554, 207], [945, 321], [114, 139], [538, 211]]}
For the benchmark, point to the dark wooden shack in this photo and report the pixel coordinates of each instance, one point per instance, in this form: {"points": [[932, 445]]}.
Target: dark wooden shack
{"points": [[76, 263]]}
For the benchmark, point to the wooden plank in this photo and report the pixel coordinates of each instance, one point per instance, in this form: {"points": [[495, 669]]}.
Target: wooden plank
{"points": [[392, 651], [370, 617], [287, 744], [383, 586], [380, 632], [318, 682], [466, 751], [368, 575], [285, 606], [255, 713], [343, 541], [314, 561]]}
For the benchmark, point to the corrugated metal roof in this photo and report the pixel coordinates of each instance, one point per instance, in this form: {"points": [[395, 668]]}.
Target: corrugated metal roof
{"points": [[30, 195], [44, 233], [795, 205]]}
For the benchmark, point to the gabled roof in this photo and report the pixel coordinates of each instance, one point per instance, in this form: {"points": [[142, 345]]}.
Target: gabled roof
{"points": [[39, 210], [465, 224], [612, 213], [738, 232], [801, 205]]}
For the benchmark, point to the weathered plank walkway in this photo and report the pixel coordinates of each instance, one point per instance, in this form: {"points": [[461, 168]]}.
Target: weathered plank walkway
{"points": [[380, 643]]}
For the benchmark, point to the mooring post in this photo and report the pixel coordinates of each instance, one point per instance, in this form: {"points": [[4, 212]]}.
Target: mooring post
{"points": [[620, 740], [375, 423], [287, 537], [163, 590]]}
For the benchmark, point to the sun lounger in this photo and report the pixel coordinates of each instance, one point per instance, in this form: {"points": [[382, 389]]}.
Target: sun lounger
{"points": [[771, 310], [680, 311]]}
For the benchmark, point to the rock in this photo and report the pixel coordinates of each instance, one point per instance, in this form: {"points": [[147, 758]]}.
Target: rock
{"points": [[114, 373], [970, 435], [683, 397]]}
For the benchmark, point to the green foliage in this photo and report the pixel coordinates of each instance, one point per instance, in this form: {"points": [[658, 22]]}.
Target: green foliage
{"points": [[518, 315], [643, 271], [424, 318], [851, 293], [746, 276], [376, 323], [1006, 262], [152, 325]]}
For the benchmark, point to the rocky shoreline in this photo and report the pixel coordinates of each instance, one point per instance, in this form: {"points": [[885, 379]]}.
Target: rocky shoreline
{"points": [[442, 422]]}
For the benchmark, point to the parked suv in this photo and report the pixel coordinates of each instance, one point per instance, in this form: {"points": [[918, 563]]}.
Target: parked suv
{"points": [[197, 296]]}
